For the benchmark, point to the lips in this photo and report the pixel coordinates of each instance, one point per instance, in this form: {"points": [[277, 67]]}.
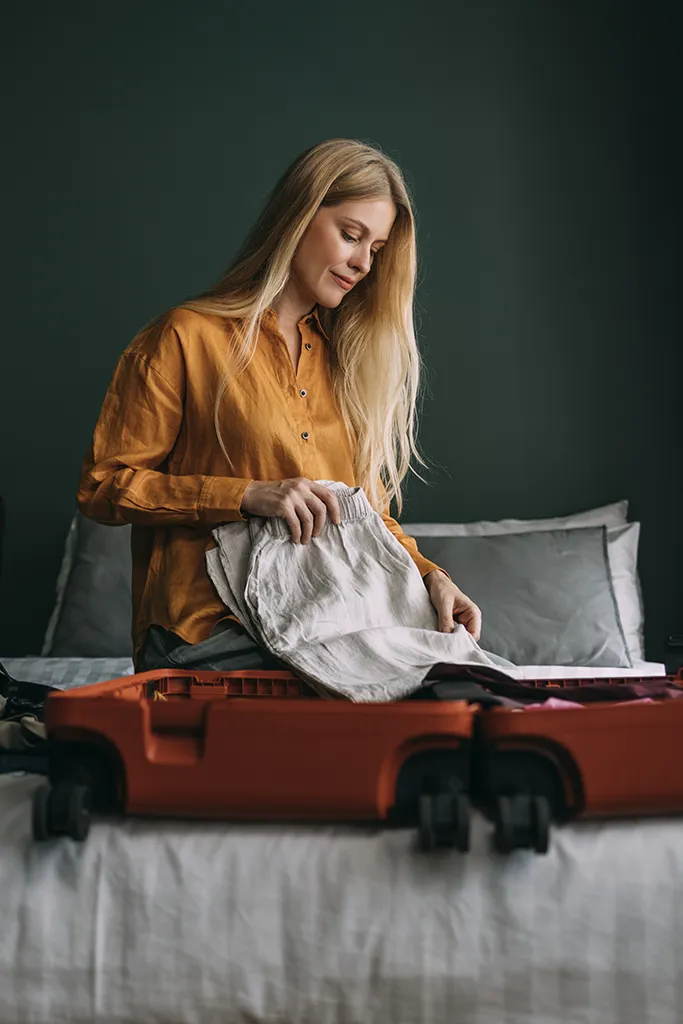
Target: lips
{"points": [[342, 281]]}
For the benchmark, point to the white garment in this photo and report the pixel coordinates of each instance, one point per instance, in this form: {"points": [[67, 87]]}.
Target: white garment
{"points": [[349, 611]]}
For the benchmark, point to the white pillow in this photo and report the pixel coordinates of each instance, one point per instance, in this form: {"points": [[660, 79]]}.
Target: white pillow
{"points": [[615, 514], [622, 551]]}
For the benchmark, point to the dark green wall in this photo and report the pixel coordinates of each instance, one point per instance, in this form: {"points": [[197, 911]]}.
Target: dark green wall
{"points": [[542, 142]]}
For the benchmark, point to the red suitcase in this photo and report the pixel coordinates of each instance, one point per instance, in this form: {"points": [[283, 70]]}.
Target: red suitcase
{"points": [[601, 760], [256, 746]]}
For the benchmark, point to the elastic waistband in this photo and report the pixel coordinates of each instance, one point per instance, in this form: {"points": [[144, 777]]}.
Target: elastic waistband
{"points": [[353, 505]]}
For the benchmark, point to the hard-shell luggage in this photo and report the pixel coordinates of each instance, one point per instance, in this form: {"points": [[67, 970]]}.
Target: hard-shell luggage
{"points": [[601, 760], [251, 745]]}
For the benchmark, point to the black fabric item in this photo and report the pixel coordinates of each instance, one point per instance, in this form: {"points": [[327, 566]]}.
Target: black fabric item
{"points": [[473, 693], [22, 698], [35, 763], [228, 649]]}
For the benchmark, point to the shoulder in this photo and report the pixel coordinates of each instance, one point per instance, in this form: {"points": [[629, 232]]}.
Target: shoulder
{"points": [[172, 340], [168, 350], [175, 328]]}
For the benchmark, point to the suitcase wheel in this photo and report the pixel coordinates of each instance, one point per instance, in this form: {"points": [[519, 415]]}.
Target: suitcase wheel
{"points": [[522, 821], [63, 810], [444, 820]]}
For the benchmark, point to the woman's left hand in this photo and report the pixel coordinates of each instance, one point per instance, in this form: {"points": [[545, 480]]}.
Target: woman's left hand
{"points": [[451, 603]]}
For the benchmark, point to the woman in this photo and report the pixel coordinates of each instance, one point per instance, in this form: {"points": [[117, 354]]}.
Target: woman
{"points": [[299, 365]]}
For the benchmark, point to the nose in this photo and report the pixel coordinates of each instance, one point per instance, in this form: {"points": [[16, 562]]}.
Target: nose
{"points": [[362, 260]]}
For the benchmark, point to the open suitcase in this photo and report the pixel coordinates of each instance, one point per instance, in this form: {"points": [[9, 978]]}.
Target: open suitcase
{"points": [[601, 760], [252, 746], [263, 746]]}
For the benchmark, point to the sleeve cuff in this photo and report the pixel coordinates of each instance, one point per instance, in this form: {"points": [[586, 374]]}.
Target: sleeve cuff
{"points": [[220, 500], [425, 567]]}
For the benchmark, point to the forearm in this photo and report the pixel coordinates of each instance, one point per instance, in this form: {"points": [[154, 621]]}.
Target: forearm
{"points": [[113, 493]]}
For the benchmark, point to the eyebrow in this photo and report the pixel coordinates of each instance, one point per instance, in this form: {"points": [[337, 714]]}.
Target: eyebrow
{"points": [[364, 228]]}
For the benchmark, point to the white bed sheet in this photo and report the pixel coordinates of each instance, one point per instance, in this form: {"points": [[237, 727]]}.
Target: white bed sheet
{"points": [[177, 923]]}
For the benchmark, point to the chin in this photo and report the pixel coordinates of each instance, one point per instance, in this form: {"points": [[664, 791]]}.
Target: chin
{"points": [[332, 297]]}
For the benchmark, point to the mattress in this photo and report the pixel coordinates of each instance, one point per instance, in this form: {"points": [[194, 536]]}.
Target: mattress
{"points": [[67, 672], [177, 923]]}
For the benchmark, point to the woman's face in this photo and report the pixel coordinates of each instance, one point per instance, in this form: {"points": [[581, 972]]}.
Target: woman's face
{"points": [[339, 247]]}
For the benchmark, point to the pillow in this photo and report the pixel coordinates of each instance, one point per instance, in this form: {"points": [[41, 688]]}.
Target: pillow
{"points": [[93, 611], [546, 597], [622, 550], [615, 514]]}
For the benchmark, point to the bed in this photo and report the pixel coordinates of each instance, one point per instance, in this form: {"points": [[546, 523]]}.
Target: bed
{"points": [[201, 924], [178, 923]]}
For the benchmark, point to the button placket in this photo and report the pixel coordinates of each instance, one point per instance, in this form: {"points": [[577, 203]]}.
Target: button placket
{"points": [[303, 391]]}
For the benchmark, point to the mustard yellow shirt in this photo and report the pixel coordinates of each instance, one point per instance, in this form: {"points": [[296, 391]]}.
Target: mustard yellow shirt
{"points": [[155, 460]]}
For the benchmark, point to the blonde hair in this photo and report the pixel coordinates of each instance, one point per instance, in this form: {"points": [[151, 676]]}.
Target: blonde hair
{"points": [[374, 355]]}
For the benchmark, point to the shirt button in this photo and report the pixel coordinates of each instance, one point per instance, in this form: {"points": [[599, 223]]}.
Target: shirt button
{"points": [[308, 346], [305, 435], [303, 392]]}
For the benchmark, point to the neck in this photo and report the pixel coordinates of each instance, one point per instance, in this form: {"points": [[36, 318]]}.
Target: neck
{"points": [[292, 306]]}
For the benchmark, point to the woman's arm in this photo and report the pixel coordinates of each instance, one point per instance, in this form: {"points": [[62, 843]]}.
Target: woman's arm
{"points": [[136, 430], [409, 543], [423, 564]]}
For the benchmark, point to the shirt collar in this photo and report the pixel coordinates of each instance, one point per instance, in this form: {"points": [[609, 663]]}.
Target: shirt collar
{"points": [[316, 316]]}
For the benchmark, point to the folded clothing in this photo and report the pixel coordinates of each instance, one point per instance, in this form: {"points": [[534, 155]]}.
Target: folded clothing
{"points": [[348, 612]]}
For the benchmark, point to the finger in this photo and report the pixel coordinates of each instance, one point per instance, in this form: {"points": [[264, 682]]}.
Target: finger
{"points": [[470, 618], [319, 510], [306, 520], [445, 613], [294, 525], [330, 500]]}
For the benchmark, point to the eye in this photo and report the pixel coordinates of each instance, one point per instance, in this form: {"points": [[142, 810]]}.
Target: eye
{"points": [[348, 237]]}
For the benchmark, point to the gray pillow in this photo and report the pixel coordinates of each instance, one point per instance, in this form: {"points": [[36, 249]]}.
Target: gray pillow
{"points": [[622, 551], [93, 612], [546, 598]]}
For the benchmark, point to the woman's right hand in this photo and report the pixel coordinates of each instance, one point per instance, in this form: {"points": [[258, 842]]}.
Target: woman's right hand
{"points": [[304, 505]]}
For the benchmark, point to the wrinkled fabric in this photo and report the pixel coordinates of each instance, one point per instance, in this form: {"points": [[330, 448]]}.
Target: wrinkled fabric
{"points": [[228, 649], [348, 612], [155, 460], [21, 734], [173, 922]]}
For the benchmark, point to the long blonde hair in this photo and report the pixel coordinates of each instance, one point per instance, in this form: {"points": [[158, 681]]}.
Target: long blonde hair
{"points": [[374, 355]]}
